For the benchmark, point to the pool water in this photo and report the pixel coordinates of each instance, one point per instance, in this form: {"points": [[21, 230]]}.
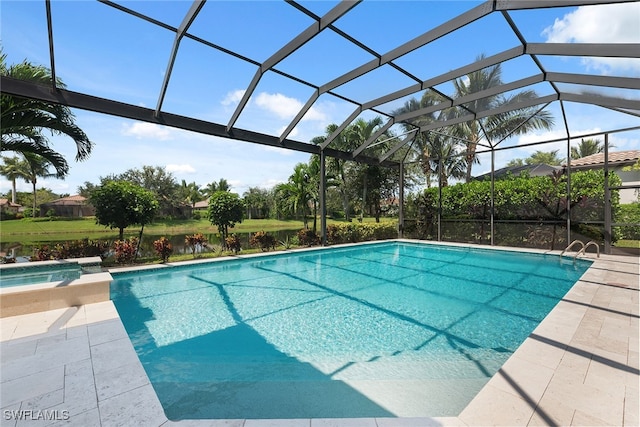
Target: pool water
{"points": [[32, 273], [376, 330]]}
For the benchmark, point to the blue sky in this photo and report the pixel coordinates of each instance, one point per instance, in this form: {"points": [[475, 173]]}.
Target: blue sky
{"points": [[104, 52]]}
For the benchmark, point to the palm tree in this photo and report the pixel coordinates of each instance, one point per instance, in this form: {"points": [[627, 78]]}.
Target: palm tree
{"points": [[422, 144], [36, 166], [298, 191], [214, 187], [23, 120], [544, 157], [446, 161], [358, 133], [587, 147], [13, 168], [498, 126], [190, 193], [494, 127]]}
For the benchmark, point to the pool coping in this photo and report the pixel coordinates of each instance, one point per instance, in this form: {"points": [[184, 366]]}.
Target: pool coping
{"points": [[579, 366]]}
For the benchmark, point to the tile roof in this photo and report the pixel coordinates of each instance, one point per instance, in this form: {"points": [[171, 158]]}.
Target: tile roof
{"points": [[70, 200], [9, 203], [616, 157]]}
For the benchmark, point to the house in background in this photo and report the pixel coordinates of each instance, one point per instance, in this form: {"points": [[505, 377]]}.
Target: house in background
{"points": [[69, 207], [539, 169], [618, 161], [8, 207]]}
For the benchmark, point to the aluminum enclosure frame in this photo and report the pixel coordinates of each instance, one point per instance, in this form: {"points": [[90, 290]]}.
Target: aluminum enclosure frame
{"points": [[327, 22]]}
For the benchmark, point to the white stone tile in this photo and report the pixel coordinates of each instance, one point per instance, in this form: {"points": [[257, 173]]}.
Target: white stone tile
{"points": [[138, 407], [419, 422], [8, 326], [522, 378], [104, 331], [90, 418], [494, 407], [204, 423], [79, 391], [632, 406], [606, 404], [119, 380], [100, 311], [18, 350], [31, 386], [343, 422], [8, 419], [278, 423], [44, 401], [112, 354]]}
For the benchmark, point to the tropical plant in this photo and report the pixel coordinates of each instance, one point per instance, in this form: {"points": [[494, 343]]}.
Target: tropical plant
{"points": [[264, 241], [308, 237], [120, 204], [125, 250], [544, 157], [233, 243], [493, 127], [337, 168], [22, 120], [258, 202], [195, 241], [225, 210], [13, 168], [190, 193], [157, 180], [214, 187], [36, 167], [297, 192], [164, 248], [587, 147]]}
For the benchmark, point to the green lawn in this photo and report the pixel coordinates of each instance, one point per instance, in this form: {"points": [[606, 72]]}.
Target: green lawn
{"points": [[40, 229]]}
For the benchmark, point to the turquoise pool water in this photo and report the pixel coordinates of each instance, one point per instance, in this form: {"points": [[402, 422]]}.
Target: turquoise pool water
{"points": [[31, 274], [376, 330]]}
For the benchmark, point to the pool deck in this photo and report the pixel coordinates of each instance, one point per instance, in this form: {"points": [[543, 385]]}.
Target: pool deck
{"points": [[579, 367]]}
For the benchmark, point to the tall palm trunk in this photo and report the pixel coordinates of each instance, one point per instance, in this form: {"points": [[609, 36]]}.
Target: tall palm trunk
{"points": [[13, 191], [472, 146], [33, 184]]}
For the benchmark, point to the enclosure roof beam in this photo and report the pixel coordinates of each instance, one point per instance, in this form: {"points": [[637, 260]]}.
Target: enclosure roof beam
{"points": [[313, 30]]}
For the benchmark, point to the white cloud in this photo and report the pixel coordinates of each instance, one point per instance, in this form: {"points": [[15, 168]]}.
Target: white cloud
{"points": [[285, 107], [233, 97], [614, 23], [185, 168], [142, 130], [279, 104]]}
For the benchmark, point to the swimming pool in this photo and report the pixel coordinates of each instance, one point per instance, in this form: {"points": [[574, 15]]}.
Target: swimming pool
{"points": [[374, 330], [29, 273]]}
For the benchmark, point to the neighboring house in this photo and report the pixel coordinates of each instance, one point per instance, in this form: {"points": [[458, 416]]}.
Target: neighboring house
{"points": [[202, 205], [70, 207], [530, 170], [618, 161], [7, 206]]}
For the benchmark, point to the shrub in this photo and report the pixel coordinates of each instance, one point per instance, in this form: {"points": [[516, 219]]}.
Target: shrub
{"points": [[264, 241], [195, 241], [125, 250], [356, 232], [233, 243], [42, 253], [308, 237], [629, 214], [163, 248], [82, 248]]}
